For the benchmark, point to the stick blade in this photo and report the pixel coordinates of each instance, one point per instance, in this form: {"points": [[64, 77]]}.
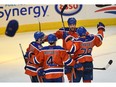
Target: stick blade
{"points": [[110, 62], [99, 68], [64, 7]]}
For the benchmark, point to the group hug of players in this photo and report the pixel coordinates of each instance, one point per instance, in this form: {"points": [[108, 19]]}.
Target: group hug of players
{"points": [[74, 59]]}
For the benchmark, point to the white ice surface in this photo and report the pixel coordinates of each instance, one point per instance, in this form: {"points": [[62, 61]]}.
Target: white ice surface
{"points": [[12, 63]]}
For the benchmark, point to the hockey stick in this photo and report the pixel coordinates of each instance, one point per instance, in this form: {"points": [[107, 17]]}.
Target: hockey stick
{"points": [[73, 71], [105, 68], [64, 7], [24, 59], [39, 25], [22, 52]]}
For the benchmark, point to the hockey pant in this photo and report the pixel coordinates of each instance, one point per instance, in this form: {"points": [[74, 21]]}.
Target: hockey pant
{"points": [[86, 74], [60, 79]]}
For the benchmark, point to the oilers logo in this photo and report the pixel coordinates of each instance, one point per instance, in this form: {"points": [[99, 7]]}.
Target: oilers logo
{"points": [[71, 9]]}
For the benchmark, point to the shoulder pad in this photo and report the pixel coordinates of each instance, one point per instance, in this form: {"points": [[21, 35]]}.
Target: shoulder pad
{"points": [[80, 39], [53, 47], [36, 45], [91, 36], [59, 47], [64, 29], [33, 42], [44, 48]]}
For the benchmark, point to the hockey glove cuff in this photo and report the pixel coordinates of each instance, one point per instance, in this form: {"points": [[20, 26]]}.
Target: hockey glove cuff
{"points": [[41, 72], [100, 26]]}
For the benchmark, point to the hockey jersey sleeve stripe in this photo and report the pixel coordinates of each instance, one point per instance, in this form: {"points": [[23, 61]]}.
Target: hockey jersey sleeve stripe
{"points": [[73, 49], [68, 62], [29, 54], [39, 68], [36, 61], [100, 37], [84, 56], [31, 68], [35, 47], [53, 70], [101, 27]]}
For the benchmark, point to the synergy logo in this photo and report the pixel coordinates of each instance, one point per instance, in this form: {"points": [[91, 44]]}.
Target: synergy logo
{"points": [[70, 10], [106, 8], [37, 11]]}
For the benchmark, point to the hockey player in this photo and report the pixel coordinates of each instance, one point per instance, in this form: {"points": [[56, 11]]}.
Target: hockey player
{"points": [[82, 49], [62, 33], [71, 30], [53, 59], [33, 49]]}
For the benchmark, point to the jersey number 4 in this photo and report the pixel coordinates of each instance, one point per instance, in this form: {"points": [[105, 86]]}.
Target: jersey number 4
{"points": [[50, 60]]}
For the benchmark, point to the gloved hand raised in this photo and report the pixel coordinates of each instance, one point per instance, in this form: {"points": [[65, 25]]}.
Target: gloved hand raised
{"points": [[100, 26]]}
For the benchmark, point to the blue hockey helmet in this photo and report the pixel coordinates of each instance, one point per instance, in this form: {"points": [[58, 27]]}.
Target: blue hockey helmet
{"points": [[71, 21], [81, 31], [52, 38], [38, 35]]}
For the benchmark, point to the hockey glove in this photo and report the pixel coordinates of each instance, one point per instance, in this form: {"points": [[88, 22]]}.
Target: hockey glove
{"points": [[41, 72], [68, 69], [100, 26], [26, 55], [78, 65]]}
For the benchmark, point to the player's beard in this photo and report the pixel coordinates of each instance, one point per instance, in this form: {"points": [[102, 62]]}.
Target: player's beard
{"points": [[72, 29]]}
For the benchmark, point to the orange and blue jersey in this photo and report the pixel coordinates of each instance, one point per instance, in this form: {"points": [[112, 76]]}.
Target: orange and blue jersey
{"points": [[81, 48], [53, 59], [59, 34], [31, 69]]}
